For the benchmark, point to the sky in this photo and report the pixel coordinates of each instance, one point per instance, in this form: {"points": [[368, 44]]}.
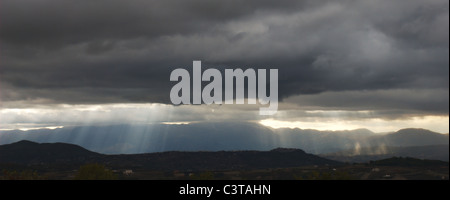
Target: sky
{"points": [[376, 64]]}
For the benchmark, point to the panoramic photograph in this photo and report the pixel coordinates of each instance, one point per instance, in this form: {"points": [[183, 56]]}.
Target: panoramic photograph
{"points": [[224, 90]]}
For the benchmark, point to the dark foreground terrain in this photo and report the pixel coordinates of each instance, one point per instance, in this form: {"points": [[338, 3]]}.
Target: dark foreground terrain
{"points": [[29, 160]]}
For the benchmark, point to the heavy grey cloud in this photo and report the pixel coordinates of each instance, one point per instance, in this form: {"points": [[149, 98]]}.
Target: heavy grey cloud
{"points": [[80, 52]]}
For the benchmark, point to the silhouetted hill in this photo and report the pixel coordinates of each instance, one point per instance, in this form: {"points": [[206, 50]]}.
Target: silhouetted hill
{"points": [[26, 152], [221, 160], [30, 153]]}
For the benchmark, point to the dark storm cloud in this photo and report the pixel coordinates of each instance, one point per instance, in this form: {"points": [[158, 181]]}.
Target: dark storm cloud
{"points": [[124, 51], [58, 23]]}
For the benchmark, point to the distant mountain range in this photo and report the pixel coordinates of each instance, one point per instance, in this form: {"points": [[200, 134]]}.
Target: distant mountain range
{"points": [[321, 142], [70, 156], [226, 136]]}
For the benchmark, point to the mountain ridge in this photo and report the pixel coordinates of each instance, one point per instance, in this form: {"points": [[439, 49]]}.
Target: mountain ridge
{"points": [[132, 139], [26, 153]]}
